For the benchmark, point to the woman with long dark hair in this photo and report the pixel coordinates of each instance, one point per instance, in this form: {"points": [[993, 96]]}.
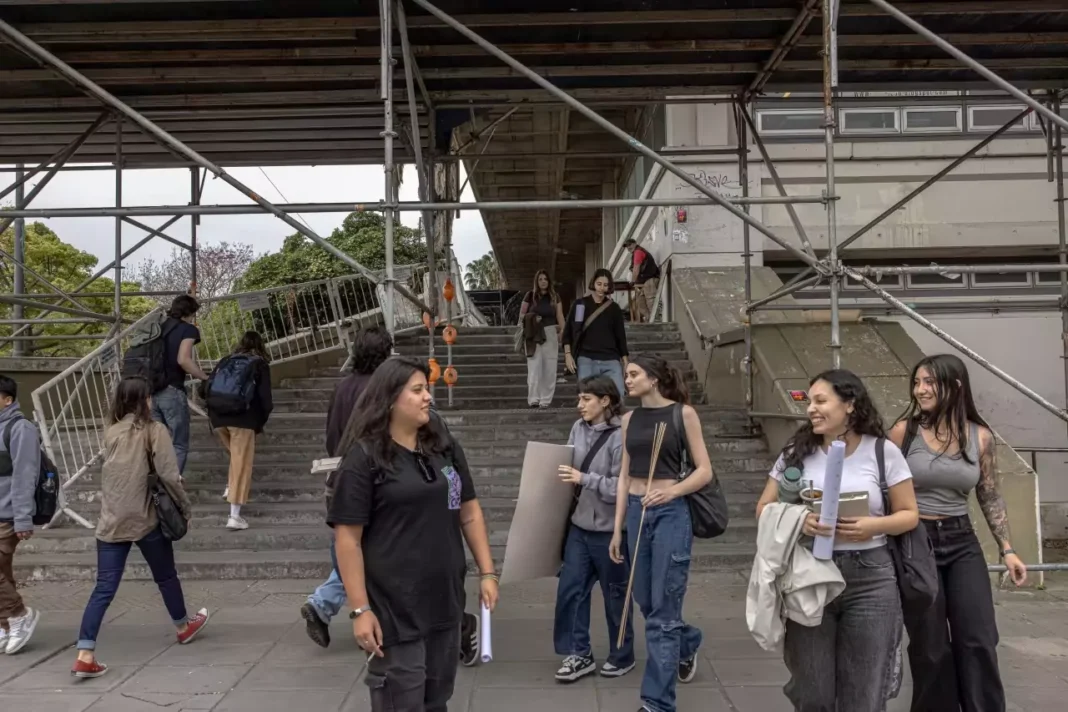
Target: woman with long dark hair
{"points": [[399, 508], [542, 318], [950, 450], [661, 559], [595, 336], [134, 447], [239, 404], [844, 662], [594, 473]]}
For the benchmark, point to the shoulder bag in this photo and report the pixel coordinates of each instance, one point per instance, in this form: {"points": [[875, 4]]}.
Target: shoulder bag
{"points": [[708, 506], [914, 560], [586, 325], [172, 524], [585, 466]]}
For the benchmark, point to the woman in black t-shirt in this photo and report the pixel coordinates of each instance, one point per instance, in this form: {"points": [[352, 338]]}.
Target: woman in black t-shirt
{"points": [[402, 510]]}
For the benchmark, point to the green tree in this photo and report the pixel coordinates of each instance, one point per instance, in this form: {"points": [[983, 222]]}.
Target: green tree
{"points": [[66, 267], [483, 273]]}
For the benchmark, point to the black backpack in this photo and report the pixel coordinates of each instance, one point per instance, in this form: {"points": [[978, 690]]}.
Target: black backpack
{"points": [[146, 356], [232, 386], [46, 493]]}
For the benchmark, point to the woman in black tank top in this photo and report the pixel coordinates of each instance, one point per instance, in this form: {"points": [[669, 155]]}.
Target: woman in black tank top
{"points": [[661, 560]]}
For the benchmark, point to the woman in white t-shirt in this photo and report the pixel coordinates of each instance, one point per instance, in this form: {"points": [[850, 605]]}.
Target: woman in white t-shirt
{"points": [[844, 662]]}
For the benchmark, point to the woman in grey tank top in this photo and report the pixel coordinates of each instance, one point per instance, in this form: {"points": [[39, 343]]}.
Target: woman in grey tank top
{"points": [[950, 451]]}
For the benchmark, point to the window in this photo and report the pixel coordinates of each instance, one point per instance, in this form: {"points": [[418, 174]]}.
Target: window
{"points": [[1001, 279], [949, 280], [1049, 277], [870, 121], [992, 118], [940, 119], [886, 281], [790, 121]]}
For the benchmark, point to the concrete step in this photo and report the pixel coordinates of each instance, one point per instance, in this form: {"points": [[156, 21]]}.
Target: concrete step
{"points": [[492, 348], [707, 556], [482, 380], [631, 328], [564, 398], [461, 391], [506, 364]]}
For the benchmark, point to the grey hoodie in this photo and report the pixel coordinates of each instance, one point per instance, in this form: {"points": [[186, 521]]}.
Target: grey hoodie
{"points": [[16, 492], [596, 510]]}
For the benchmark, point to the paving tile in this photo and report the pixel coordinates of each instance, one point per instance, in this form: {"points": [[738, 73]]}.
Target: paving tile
{"points": [[48, 702], [535, 699], [54, 676], [153, 702], [211, 651], [758, 699], [282, 701], [187, 680], [291, 677], [687, 698], [756, 672]]}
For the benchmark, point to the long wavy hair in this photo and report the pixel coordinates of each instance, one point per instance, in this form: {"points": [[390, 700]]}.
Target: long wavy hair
{"points": [[369, 424], [252, 344], [669, 381], [955, 407], [535, 291], [864, 420]]}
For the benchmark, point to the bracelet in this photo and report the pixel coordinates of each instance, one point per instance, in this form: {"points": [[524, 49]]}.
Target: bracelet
{"points": [[494, 577], [1007, 552]]}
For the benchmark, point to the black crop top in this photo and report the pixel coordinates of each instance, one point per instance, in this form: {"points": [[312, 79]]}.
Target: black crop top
{"points": [[640, 444]]}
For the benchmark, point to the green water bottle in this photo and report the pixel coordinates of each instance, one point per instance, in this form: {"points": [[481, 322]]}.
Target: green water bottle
{"points": [[790, 486]]}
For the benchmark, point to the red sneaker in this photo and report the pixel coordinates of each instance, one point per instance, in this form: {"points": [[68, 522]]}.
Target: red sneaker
{"points": [[196, 624], [87, 671]]}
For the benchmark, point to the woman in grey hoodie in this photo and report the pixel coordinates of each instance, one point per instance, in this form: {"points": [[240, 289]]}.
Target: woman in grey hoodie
{"points": [[594, 474]]}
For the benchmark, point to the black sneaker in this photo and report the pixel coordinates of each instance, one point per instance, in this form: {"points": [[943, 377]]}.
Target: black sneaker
{"points": [[576, 667], [470, 640], [318, 631], [688, 668]]}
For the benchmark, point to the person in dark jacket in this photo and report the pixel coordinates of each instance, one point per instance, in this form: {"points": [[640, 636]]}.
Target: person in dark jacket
{"points": [[595, 337], [238, 430]]}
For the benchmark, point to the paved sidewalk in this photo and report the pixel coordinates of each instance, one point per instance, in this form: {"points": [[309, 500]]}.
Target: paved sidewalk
{"points": [[254, 656]]}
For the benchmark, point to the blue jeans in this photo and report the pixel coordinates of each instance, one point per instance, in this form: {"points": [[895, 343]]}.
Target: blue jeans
{"points": [[587, 367], [662, 568], [110, 565], [171, 407], [586, 561], [328, 599]]}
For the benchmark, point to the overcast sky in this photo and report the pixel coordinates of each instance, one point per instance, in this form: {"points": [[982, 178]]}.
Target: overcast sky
{"points": [[324, 184]]}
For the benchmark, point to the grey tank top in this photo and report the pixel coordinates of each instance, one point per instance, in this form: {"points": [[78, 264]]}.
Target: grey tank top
{"points": [[943, 481]]}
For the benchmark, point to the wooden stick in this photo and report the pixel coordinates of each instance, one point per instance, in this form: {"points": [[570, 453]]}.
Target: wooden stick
{"points": [[658, 440]]}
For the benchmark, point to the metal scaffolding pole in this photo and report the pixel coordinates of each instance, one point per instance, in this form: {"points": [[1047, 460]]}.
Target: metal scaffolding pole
{"points": [[158, 232], [490, 127], [969, 62], [747, 253], [619, 133], [402, 207], [1062, 238], [942, 334], [18, 348], [118, 223], [26, 177], [388, 134], [194, 221], [39, 53], [830, 81]]}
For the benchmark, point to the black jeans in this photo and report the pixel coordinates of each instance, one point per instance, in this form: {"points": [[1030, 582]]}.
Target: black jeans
{"points": [[416, 677], [953, 645]]}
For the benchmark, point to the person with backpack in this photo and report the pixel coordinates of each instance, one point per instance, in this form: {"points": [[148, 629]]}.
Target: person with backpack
{"points": [[239, 404], [20, 464], [594, 474], [135, 448], [645, 276], [595, 335], [161, 352]]}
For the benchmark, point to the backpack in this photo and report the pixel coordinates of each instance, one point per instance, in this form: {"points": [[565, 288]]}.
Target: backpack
{"points": [[232, 386], [146, 356], [46, 493], [649, 269]]}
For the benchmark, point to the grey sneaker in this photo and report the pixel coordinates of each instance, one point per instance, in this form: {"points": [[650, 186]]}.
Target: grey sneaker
{"points": [[610, 670], [21, 629], [576, 667]]}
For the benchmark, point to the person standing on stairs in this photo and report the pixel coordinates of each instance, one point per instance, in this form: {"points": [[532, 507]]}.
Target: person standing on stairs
{"points": [[595, 335], [170, 405], [659, 509], [542, 306], [20, 466], [239, 404], [645, 278], [594, 474], [402, 511], [134, 447]]}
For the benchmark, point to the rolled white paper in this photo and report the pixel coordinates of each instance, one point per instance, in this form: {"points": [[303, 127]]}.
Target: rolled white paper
{"points": [[487, 639], [823, 547]]}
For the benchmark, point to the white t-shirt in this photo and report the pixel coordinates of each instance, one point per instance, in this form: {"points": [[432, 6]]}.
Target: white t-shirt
{"points": [[860, 473]]}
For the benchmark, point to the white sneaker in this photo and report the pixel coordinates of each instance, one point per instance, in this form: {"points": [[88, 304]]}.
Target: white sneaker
{"points": [[3, 639], [21, 630], [236, 523], [226, 493]]}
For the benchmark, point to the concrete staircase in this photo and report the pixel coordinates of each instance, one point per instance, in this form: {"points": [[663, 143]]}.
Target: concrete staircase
{"points": [[287, 539]]}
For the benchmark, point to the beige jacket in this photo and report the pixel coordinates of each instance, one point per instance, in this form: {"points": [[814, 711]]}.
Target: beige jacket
{"points": [[126, 513]]}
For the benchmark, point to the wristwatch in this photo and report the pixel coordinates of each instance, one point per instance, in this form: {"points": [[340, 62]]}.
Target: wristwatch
{"points": [[1005, 553], [359, 612]]}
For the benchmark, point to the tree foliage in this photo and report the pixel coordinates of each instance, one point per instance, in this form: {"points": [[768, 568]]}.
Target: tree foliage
{"points": [[483, 273], [219, 269], [66, 267]]}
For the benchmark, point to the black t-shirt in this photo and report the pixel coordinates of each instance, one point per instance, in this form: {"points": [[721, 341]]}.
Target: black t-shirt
{"points": [[172, 340], [413, 551], [544, 306]]}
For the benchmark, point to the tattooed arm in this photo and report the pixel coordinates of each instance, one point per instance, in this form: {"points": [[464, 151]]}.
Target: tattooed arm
{"points": [[988, 494]]}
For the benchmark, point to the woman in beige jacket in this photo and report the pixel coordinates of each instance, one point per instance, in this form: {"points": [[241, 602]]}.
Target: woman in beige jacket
{"points": [[134, 446]]}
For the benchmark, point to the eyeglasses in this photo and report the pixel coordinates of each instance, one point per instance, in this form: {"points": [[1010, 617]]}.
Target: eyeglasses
{"points": [[427, 470]]}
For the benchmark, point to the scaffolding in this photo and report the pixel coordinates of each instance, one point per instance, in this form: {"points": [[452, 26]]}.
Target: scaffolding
{"points": [[393, 22]]}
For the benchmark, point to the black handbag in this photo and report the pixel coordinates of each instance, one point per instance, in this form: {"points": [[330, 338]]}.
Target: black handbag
{"points": [[913, 555], [709, 514], [172, 523]]}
